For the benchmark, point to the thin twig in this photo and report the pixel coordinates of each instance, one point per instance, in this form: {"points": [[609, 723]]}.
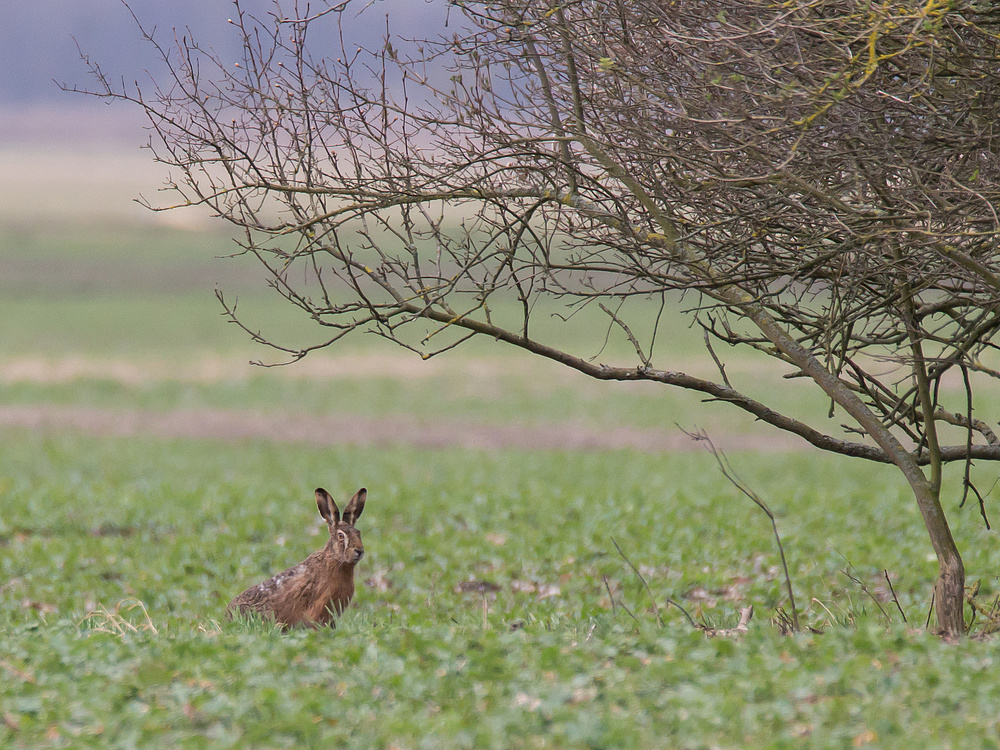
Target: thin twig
{"points": [[864, 588], [930, 611], [966, 481], [629, 612], [628, 332], [783, 621], [718, 363], [728, 473], [610, 596], [982, 507], [652, 598], [894, 597], [990, 613], [333, 9], [669, 600], [683, 611]]}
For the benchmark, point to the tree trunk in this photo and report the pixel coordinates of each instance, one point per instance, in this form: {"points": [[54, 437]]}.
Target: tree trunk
{"points": [[949, 593], [949, 590]]}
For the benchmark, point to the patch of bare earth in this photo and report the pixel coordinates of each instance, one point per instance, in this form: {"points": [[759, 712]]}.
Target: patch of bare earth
{"points": [[218, 424], [208, 369], [214, 369], [339, 429]]}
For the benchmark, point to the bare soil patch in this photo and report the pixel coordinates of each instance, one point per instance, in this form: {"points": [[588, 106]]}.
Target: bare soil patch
{"points": [[215, 368], [208, 368], [218, 424]]}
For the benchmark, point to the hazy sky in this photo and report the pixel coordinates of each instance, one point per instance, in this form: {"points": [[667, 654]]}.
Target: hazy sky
{"points": [[38, 38]]}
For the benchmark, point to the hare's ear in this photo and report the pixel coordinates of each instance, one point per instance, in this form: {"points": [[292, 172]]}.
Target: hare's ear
{"points": [[327, 508], [354, 508]]}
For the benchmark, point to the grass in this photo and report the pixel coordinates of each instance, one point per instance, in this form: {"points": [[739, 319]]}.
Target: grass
{"points": [[118, 558]]}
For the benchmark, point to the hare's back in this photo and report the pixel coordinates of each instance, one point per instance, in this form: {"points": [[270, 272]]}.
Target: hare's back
{"points": [[268, 596]]}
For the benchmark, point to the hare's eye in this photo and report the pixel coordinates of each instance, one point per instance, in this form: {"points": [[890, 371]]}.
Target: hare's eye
{"points": [[341, 535]]}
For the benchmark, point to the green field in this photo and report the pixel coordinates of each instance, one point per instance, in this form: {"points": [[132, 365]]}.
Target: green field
{"points": [[96, 526], [493, 608]]}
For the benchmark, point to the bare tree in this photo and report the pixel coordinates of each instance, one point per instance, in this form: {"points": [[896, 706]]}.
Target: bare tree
{"points": [[819, 179]]}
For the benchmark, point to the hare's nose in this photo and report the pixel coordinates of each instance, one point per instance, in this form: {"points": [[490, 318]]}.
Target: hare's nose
{"points": [[358, 554]]}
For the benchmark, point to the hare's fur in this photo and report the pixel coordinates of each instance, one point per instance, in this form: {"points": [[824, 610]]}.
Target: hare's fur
{"points": [[312, 592]]}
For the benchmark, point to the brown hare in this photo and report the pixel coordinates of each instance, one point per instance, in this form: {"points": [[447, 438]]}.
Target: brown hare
{"points": [[309, 593]]}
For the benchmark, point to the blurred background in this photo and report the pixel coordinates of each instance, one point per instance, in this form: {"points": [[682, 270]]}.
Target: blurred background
{"points": [[109, 318], [46, 133]]}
